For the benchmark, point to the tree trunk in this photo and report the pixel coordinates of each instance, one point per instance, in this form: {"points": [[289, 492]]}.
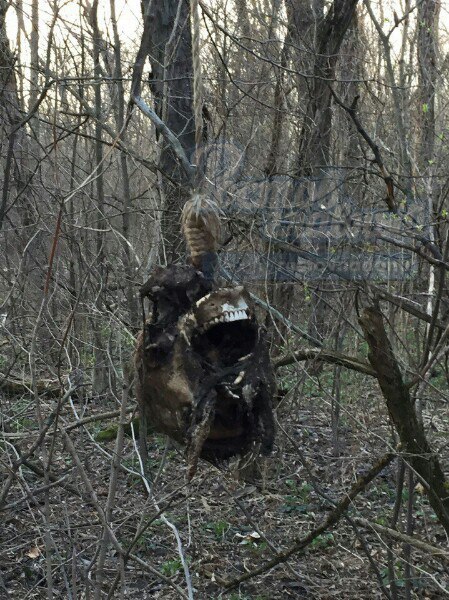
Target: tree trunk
{"points": [[125, 179], [170, 54], [414, 446], [9, 104], [99, 380], [427, 63], [314, 144], [315, 139], [427, 41]]}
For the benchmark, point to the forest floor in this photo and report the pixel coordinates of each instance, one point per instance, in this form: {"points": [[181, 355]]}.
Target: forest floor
{"points": [[228, 526]]}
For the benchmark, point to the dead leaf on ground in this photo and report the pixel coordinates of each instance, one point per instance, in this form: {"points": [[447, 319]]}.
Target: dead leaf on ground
{"points": [[33, 552]]}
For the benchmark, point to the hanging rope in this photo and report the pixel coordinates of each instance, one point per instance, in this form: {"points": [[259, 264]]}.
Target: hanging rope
{"points": [[197, 89], [200, 220]]}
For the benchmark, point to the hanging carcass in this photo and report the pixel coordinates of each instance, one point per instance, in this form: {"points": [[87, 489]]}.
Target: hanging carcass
{"points": [[204, 375]]}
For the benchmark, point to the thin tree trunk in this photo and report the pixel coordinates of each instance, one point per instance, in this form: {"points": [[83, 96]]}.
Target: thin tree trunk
{"points": [[315, 139], [120, 120], [428, 12], [314, 144], [170, 52], [99, 383]]}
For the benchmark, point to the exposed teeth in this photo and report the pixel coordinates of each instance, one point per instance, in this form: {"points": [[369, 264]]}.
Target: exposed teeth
{"points": [[239, 378], [236, 315], [226, 317], [201, 300], [237, 310], [235, 306], [230, 394]]}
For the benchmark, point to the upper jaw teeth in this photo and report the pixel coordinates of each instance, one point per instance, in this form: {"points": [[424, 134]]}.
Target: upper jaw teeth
{"points": [[226, 317], [236, 315]]}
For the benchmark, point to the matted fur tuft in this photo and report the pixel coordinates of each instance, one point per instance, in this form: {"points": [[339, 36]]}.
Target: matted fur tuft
{"points": [[201, 227]]}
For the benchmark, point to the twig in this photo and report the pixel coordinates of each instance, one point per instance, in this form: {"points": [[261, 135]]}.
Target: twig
{"points": [[94, 500], [98, 417], [319, 491], [333, 518], [403, 537], [33, 493], [169, 503], [408, 306], [393, 523], [44, 429], [263, 537], [351, 110], [115, 464], [328, 356], [168, 135], [166, 521]]}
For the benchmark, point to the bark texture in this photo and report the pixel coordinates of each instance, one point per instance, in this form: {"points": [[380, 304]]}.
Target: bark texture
{"points": [[314, 146], [9, 107], [170, 54], [427, 63], [415, 447]]}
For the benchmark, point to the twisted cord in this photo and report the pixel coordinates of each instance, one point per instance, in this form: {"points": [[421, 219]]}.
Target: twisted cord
{"points": [[201, 227]]}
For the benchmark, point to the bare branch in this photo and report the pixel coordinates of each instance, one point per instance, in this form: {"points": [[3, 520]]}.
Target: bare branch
{"points": [[331, 520], [327, 356], [168, 135]]}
